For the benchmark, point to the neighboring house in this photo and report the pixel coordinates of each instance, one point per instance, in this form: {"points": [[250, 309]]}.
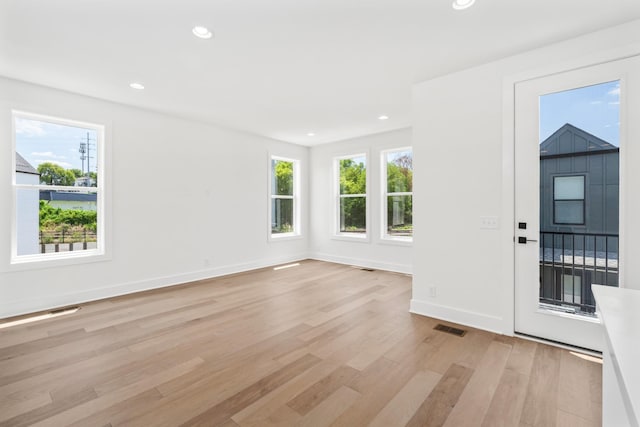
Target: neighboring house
{"points": [[69, 200], [579, 209], [28, 208], [85, 181], [579, 183]]}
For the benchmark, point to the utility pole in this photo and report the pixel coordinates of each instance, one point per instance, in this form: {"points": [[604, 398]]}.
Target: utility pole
{"points": [[85, 154], [83, 151]]}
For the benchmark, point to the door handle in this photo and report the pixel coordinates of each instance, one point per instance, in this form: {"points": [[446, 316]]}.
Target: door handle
{"points": [[523, 240]]}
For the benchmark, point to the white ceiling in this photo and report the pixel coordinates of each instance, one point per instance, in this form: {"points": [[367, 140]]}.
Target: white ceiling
{"points": [[278, 68]]}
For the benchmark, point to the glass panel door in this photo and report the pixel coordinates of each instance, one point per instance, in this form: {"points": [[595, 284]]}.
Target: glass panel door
{"points": [[567, 161]]}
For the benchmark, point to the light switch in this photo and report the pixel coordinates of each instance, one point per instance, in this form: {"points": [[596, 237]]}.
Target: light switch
{"points": [[489, 222]]}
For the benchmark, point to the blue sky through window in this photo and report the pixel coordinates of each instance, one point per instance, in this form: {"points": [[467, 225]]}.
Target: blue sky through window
{"points": [[594, 109], [39, 142]]}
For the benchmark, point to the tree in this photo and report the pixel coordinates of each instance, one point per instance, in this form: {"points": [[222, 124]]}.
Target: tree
{"points": [[353, 177], [400, 175], [400, 180], [52, 174], [284, 177], [76, 172], [353, 180]]}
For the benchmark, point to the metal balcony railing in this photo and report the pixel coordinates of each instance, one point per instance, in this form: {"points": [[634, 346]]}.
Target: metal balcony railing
{"points": [[570, 263]]}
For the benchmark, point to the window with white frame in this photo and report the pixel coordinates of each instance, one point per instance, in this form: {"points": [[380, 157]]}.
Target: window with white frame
{"points": [[352, 195], [397, 197], [58, 190], [284, 214]]}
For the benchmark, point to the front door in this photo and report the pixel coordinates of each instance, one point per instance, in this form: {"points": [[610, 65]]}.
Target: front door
{"points": [[568, 144]]}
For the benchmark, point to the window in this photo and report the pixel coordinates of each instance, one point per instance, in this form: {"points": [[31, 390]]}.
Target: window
{"points": [[397, 197], [284, 217], [58, 189], [568, 199], [352, 195]]}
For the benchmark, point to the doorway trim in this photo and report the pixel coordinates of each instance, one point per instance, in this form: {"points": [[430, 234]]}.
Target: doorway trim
{"points": [[508, 163]]}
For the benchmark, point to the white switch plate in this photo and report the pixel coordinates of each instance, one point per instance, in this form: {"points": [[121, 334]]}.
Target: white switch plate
{"points": [[489, 222]]}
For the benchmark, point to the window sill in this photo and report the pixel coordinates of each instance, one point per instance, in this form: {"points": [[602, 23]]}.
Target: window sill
{"points": [[397, 241], [352, 237], [33, 262], [284, 237]]}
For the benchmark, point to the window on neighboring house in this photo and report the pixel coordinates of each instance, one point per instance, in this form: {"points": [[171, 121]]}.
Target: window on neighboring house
{"points": [[284, 216], [58, 189], [568, 200], [352, 195], [397, 197]]}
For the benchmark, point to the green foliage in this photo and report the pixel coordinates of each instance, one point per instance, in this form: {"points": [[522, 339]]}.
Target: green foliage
{"points": [[283, 174], [353, 180], [353, 177], [353, 214], [400, 208], [282, 211], [400, 215], [76, 172], [400, 175], [65, 219], [283, 228], [52, 174]]}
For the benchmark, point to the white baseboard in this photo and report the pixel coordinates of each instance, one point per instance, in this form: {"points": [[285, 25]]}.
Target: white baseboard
{"points": [[32, 305], [377, 265], [456, 315]]}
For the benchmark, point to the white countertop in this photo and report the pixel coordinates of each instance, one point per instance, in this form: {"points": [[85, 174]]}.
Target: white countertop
{"points": [[619, 310]]}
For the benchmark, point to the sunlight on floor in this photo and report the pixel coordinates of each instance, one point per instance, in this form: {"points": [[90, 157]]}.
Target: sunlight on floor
{"points": [[282, 267], [587, 357], [39, 317]]}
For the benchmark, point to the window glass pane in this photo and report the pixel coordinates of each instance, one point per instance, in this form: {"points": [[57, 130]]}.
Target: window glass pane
{"points": [[282, 216], [579, 137], [353, 175], [400, 172], [569, 212], [28, 222], [568, 187], [353, 214], [62, 154], [572, 288], [55, 221], [281, 178], [399, 215]]}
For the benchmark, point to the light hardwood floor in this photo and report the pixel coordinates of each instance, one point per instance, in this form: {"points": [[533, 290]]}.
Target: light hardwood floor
{"points": [[319, 344]]}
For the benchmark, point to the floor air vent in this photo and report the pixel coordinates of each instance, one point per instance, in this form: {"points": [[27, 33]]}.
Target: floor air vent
{"points": [[362, 268], [450, 330]]}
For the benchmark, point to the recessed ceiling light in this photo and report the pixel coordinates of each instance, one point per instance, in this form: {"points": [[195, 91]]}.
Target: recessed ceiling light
{"points": [[462, 4], [202, 32], [383, 117], [311, 134], [137, 86]]}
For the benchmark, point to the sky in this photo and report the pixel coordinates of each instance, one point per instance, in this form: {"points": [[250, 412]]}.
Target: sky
{"points": [[594, 109], [40, 142]]}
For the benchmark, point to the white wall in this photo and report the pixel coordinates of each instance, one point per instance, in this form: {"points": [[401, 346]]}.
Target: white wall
{"points": [[373, 253], [188, 201], [463, 160]]}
